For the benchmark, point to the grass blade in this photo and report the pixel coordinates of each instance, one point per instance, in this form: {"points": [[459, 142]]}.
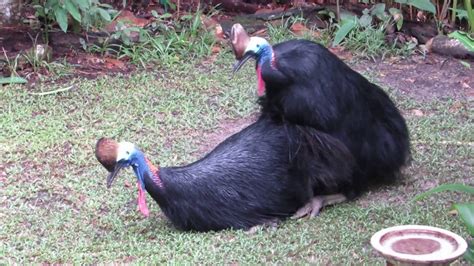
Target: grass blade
{"points": [[446, 187], [12, 80]]}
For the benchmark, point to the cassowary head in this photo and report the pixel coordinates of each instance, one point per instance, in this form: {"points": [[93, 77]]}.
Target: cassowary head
{"points": [[246, 47], [114, 156]]}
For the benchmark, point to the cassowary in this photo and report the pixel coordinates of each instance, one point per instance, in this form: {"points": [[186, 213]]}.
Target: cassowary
{"points": [[305, 84], [264, 173]]}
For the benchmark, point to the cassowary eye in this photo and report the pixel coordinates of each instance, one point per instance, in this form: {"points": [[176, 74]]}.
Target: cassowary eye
{"points": [[127, 152]]}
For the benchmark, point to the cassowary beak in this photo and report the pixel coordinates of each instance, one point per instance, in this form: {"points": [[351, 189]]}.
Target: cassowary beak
{"points": [[242, 61], [114, 173]]}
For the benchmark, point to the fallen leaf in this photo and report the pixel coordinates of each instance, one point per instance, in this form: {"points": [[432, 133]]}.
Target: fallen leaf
{"points": [[417, 112], [128, 19], [209, 22], [299, 3], [466, 64], [456, 106], [261, 32], [269, 10], [82, 198], [298, 28], [111, 63], [453, 212], [423, 48], [129, 259], [219, 33], [92, 59], [420, 16], [210, 60], [216, 49], [340, 52], [465, 85]]}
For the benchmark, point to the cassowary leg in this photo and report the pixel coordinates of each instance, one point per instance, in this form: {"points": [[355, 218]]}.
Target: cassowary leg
{"points": [[268, 224], [314, 206]]}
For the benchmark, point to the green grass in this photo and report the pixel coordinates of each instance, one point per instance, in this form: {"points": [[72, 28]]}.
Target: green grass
{"points": [[54, 206]]}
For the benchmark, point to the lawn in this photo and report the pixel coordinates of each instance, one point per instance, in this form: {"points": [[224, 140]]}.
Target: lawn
{"points": [[55, 208]]}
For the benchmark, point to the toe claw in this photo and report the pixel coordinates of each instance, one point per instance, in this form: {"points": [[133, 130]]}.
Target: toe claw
{"points": [[314, 206]]}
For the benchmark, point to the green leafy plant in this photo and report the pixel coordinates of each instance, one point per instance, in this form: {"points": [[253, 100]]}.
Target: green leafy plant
{"points": [[38, 56], [464, 38], [10, 64], [167, 4], [470, 15], [347, 25], [85, 13], [459, 12], [350, 22], [464, 13], [368, 42], [424, 5], [165, 41], [465, 210]]}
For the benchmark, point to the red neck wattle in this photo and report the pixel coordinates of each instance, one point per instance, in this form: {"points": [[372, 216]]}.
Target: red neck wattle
{"points": [[260, 82], [141, 201]]}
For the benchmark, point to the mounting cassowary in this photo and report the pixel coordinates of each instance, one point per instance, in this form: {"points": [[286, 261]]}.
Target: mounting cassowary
{"points": [[307, 85], [261, 174]]}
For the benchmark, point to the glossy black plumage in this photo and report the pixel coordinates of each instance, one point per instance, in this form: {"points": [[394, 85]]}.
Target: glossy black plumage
{"points": [[308, 85], [262, 173]]}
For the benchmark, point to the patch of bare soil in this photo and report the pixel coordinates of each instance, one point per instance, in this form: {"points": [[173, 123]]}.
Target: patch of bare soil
{"points": [[17, 43], [424, 78]]}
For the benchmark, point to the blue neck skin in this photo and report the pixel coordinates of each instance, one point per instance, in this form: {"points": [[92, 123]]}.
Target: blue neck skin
{"points": [[264, 55], [141, 169]]}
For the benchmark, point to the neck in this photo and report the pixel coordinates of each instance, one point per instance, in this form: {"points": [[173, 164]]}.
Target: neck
{"points": [[148, 170], [266, 55]]}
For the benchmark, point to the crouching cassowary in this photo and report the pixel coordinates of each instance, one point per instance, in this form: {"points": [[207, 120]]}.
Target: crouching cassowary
{"points": [[264, 173], [304, 83]]}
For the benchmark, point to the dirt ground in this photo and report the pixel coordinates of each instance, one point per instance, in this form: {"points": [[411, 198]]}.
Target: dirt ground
{"points": [[426, 78], [65, 47]]}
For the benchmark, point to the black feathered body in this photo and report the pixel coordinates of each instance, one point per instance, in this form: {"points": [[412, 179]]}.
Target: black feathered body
{"points": [[262, 173], [308, 85]]}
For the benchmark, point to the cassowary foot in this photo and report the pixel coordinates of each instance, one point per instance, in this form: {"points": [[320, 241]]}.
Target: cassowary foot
{"points": [[314, 206], [271, 224]]}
